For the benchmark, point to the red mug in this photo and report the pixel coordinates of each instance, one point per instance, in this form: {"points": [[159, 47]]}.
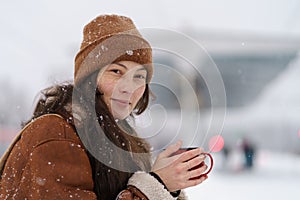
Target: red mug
{"points": [[181, 150]]}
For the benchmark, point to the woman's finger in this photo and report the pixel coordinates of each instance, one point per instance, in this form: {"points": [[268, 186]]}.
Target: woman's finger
{"points": [[194, 182], [196, 161], [197, 172], [188, 155]]}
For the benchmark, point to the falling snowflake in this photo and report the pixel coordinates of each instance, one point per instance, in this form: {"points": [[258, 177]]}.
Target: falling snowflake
{"points": [[40, 181], [129, 52], [104, 48]]}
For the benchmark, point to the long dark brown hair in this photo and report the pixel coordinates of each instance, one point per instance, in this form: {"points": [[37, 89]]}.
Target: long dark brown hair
{"points": [[83, 107]]}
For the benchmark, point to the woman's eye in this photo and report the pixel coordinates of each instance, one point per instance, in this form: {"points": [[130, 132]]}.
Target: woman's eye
{"points": [[116, 71], [139, 76]]}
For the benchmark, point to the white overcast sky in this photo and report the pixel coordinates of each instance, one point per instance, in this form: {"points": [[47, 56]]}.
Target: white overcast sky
{"points": [[39, 38]]}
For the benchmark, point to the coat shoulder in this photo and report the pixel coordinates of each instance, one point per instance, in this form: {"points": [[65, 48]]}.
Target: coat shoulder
{"points": [[47, 162], [47, 128]]}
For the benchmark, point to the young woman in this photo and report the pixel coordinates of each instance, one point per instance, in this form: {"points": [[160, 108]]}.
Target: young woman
{"points": [[79, 144]]}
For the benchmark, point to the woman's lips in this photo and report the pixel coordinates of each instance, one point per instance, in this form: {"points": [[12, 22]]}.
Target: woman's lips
{"points": [[121, 102]]}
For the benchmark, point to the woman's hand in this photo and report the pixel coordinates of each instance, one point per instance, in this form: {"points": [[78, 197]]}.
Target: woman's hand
{"points": [[174, 170]]}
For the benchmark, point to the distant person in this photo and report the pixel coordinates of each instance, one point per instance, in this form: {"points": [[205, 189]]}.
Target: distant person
{"points": [[249, 152], [79, 144]]}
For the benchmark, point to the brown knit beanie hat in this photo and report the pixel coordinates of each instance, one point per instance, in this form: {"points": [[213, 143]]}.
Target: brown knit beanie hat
{"points": [[108, 39]]}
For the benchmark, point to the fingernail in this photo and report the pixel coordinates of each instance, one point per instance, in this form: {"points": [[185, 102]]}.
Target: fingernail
{"points": [[202, 156]]}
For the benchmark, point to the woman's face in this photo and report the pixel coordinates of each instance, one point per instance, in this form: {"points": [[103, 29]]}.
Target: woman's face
{"points": [[122, 84]]}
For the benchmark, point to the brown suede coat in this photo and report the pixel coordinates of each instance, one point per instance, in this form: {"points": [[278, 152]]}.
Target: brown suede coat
{"points": [[48, 161]]}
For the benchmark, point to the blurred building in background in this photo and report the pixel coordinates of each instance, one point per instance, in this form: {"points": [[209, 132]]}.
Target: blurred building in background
{"points": [[251, 66]]}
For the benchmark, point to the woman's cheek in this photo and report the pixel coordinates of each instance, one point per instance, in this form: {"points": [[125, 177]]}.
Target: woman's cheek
{"points": [[107, 87], [139, 93]]}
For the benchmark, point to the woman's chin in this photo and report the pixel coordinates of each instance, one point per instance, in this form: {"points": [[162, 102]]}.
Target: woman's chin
{"points": [[120, 115]]}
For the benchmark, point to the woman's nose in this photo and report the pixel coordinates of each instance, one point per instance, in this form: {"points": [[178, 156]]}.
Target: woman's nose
{"points": [[126, 85]]}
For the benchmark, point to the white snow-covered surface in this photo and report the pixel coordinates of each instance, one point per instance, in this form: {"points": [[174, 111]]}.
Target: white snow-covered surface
{"points": [[275, 176]]}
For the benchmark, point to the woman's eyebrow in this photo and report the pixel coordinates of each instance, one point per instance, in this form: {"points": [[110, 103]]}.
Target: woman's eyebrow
{"points": [[120, 64], [142, 68]]}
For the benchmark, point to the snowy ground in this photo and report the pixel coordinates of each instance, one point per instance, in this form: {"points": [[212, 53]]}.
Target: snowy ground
{"points": [[275, 176]]}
